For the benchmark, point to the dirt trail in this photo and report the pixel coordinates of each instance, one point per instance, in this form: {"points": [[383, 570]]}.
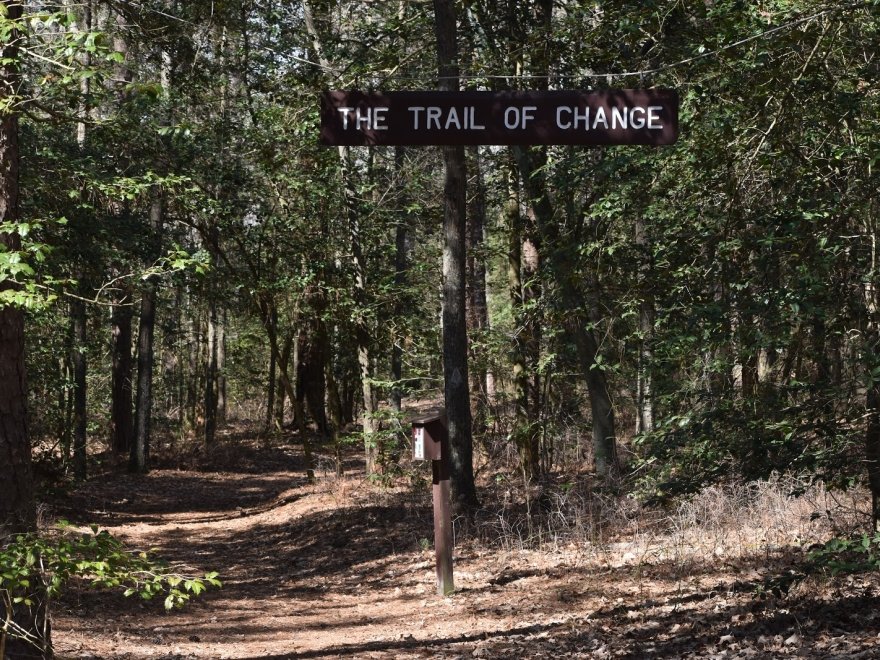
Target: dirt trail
{"points": [[340, 569]]}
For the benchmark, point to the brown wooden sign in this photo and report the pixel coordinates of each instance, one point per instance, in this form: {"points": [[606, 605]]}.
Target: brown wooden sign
{"points": [[604, 117]]}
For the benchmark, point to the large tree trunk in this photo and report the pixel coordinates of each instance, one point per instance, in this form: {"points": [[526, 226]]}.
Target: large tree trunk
{"points": [[872, 451], [17, 508], [17, 505], [455, 348], [121, 423]]}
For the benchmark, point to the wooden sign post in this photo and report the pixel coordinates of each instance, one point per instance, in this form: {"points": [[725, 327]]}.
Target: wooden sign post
{"points": [[431, 442]]}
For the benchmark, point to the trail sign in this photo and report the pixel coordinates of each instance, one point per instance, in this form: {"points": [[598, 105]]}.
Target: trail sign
{"points": [[604, 117]]}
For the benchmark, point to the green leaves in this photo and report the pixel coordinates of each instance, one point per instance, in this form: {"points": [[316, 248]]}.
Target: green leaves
{"points": [[33, 567], [855, 554]]}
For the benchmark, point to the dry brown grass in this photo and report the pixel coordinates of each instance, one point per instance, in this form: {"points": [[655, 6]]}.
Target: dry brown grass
{"points": [[726, 522]]}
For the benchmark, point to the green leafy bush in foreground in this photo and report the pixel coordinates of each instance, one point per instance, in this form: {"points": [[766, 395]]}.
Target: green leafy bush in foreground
{"points": [[35, 569]]}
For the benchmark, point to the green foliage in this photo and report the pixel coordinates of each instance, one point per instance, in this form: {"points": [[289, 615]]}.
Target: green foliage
{"points": [[856, 554], [35, 569]]}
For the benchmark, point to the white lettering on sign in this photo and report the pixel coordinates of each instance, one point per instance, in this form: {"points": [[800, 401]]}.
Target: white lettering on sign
{"points": [[452, 117], [434, 114], [572, 117], [514, 118], [415, 110], [344, 112], [371, 119], [637, 122], [473, 122], [518, 117], [379, 119], [459, 118], [559, 121]]}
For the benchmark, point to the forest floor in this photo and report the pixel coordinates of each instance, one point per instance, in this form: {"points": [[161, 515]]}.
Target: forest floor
{"points": [[343, 568]]}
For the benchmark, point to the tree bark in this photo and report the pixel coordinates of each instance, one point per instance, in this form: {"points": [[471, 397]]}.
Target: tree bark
{"points": [[477, 310], [520, 345], [872, 451], [17, 504], [221, 369], [647, 314], [211, 376], [270, 322], [401, 267], [17, 508], [139, 460], [121, 423], [577, 318], [455, 348], [284, 362], [78, 360]]}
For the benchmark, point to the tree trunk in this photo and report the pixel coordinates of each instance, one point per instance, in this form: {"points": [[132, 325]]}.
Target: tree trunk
{"points": [[400, 278], [121, 423], [17, 512], [334, 412], [284, 367], [221, 369], [522, 366], [477, 310], [211, 376], [577, 318], [17, 504], [455, 348], [269, 312], [647, 314], [139, 460], [872, 400], [872, 451], [193, 333], [78, 359]]}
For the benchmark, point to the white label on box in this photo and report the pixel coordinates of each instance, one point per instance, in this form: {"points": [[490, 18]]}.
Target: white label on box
{"points": [[419, 444]]}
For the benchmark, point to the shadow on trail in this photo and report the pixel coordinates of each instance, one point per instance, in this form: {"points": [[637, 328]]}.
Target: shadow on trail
{"points": [[345, 551], [409, 644], [769, 634], [226, 485]]}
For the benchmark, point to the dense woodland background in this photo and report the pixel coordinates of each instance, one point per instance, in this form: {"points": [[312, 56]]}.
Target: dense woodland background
{"points": [[184, 256]]}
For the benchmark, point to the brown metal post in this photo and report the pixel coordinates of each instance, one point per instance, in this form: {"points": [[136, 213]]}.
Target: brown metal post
{"points": [[443, 521]]}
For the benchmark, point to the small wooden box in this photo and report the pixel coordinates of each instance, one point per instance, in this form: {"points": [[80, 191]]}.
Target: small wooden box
{"points": [[429, 436]]}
